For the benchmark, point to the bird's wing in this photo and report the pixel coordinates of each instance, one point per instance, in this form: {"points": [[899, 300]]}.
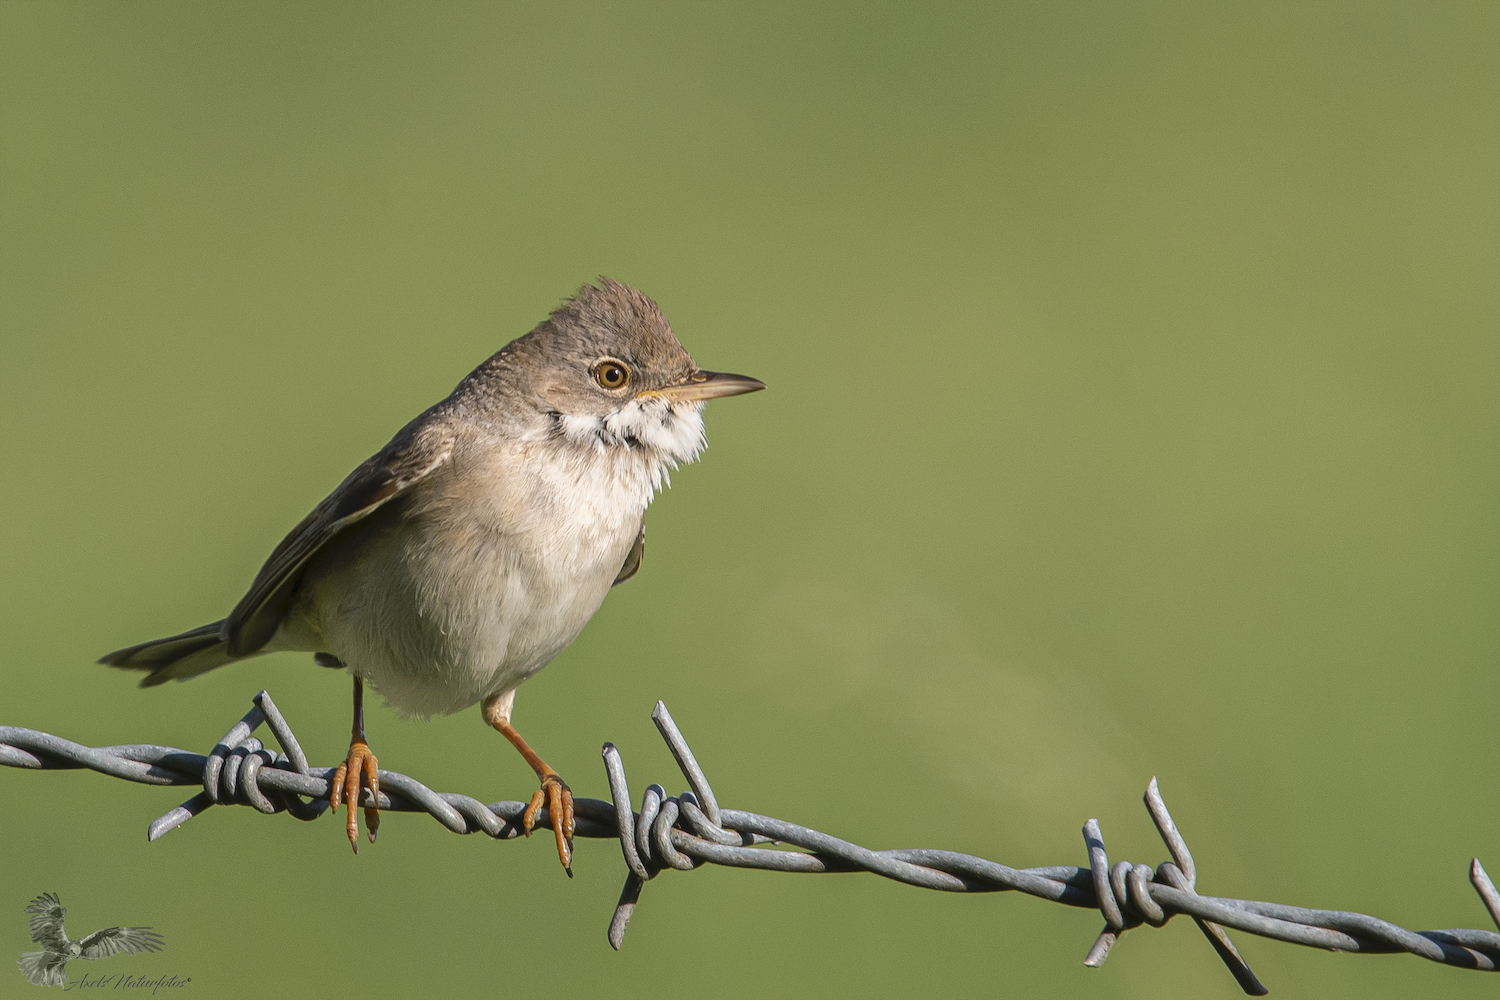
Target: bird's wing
{"points": [[113, 940], [47, 914], [422, 446], [633, 560]]}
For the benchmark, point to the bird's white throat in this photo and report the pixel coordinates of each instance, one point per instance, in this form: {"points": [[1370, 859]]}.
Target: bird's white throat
{"points": [[670, 433]]}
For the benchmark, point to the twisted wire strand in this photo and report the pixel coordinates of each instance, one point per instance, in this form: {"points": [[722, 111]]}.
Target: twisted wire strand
{"points": [[690, 829]]}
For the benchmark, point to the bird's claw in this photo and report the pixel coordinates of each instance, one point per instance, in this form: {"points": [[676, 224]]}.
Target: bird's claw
{"points": [[559, 801], [360, 769]]}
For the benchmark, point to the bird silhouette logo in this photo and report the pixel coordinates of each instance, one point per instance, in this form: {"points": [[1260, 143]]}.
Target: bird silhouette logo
{"points": [[47, 967]]}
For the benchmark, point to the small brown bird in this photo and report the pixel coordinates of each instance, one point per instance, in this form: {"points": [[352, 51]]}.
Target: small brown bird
{"points": [[473, 548]]}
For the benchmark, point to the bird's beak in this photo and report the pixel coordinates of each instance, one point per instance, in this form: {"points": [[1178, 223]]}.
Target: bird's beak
{"points": [[708, 385]]}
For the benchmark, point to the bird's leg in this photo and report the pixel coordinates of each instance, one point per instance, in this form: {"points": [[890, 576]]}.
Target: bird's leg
{"points": [[554, 791], [360, 767]]}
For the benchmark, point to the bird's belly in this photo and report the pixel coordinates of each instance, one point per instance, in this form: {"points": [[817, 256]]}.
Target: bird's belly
{"points": [[438, 626]]}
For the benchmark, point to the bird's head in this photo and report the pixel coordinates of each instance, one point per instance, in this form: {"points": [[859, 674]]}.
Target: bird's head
{"points": [[610, 373]]}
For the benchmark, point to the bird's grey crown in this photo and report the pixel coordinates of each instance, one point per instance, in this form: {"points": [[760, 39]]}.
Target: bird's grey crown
{"points": [[549, 369]]}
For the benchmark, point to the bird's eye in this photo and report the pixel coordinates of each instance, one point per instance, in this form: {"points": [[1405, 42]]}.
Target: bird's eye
{"points": [[611, 374]]}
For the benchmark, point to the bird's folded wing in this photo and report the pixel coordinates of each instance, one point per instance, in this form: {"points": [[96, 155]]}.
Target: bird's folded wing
{"points": [[113, 940], [47, 913], [633, 560], [421, 446]]}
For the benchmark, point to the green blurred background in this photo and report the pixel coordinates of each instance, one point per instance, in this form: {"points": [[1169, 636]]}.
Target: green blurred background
{"points": [[1134, 409]]}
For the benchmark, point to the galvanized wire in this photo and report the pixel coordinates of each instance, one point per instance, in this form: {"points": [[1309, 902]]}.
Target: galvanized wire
{"points": [[690, 829]]}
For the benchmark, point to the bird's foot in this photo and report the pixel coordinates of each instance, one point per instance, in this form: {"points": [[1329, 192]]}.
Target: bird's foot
{"points": [[559, 801], [360, 769]]}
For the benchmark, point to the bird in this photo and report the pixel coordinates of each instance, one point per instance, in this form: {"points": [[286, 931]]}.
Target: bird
{"points": [[468, 552], [48, 967]]}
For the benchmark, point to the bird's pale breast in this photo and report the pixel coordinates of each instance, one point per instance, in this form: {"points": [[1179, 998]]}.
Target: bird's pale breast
{"points": [[480, 576]]}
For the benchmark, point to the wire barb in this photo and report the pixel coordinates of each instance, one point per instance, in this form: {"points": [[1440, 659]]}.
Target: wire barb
{"points": [[690, 829]]}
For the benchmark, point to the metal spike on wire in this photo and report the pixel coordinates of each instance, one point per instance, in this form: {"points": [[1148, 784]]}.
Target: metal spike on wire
{"points": [[690, 829]]}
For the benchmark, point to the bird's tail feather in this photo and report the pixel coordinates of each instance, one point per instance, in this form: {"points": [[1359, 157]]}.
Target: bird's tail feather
{"points": [[177, 657], [35, 968]]}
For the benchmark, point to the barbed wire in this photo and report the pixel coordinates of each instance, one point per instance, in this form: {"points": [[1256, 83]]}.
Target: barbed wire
{"points": [[686, 830]]}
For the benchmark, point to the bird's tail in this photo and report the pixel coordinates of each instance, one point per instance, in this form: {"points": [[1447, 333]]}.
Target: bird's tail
{"points": [[40, 972], [177, 657]]}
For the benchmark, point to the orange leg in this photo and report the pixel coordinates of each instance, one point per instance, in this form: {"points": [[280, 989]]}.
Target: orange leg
{"points": [[554, 791], [360, 767]]}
